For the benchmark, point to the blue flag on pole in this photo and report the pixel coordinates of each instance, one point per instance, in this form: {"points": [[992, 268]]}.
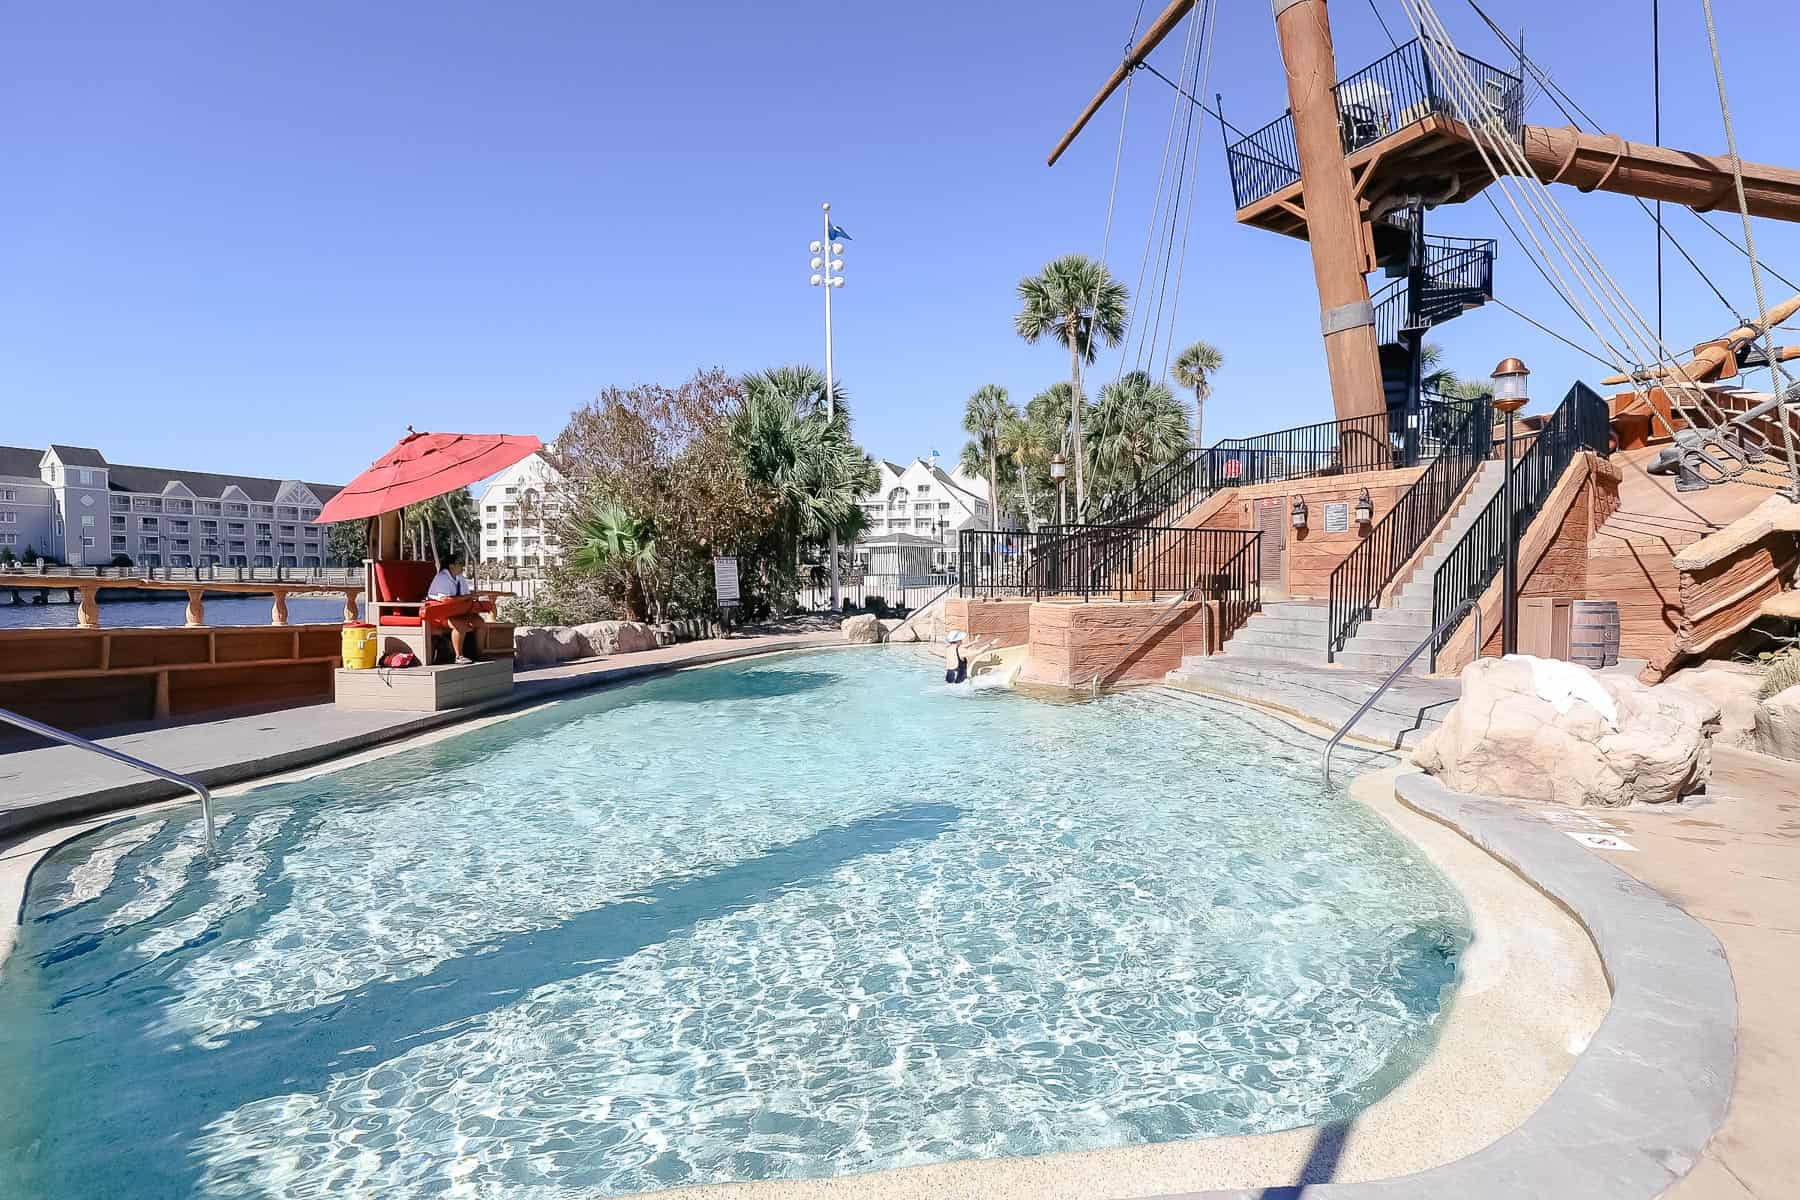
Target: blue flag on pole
{"points": [[838, 234]]}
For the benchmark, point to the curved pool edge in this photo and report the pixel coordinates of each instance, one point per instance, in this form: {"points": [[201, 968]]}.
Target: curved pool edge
{"points": [[1630, 1118], [1497, 1058], [1650, 1090]]}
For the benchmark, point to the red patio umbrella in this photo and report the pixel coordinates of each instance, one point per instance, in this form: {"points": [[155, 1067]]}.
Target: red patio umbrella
{"points": [[424, 465]]}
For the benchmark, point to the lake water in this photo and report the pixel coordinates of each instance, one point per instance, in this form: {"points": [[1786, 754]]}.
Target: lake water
{"points": [[220, 610]]}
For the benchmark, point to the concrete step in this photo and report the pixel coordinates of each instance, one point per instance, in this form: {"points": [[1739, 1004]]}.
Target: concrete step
{"points": [[1247, 637], [1295, 610], [1283, 654], [1379, 664], [1282, 625], [1394, 647]]}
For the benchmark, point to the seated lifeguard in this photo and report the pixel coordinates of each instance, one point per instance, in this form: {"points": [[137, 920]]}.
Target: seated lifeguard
{"points": [[448, 602]]}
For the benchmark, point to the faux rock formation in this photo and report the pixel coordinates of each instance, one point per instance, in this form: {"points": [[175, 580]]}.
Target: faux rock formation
{"points": [[1733, 687], [1778, 724], [864, 629], [1536, 729], [541, 645], [618, 637]]}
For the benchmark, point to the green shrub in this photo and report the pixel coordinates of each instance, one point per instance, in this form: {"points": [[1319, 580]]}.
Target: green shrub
{"points": [[31, 556], [122, 560]]}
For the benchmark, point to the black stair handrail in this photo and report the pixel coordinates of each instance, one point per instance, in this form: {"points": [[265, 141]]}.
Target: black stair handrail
{"points": [[1117, 561], [1377, 442], [1358, 581], [1579, 423]]}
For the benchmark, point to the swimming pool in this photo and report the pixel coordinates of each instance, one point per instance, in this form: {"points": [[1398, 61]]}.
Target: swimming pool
{"points": [[802, 916]]}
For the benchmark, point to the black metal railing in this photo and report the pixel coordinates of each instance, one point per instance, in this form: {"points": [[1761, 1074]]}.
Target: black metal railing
{"points": [[1396, 438], [1358, 581], [1121, 562], [1454, 270], [1579, 423], [1378, 101]]}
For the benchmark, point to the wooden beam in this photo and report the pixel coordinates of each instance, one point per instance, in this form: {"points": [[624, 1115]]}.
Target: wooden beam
{"points": [[1159, 29], [1607, 162]]}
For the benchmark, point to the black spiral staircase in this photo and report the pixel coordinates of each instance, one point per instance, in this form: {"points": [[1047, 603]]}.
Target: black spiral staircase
{"points": [[1436, 279]]}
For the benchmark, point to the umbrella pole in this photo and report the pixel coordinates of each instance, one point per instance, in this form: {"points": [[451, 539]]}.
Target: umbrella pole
{"points": [[464, 538]]}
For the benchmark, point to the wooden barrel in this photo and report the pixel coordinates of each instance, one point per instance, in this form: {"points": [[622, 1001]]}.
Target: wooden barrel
{"points": [[1594, 633]]}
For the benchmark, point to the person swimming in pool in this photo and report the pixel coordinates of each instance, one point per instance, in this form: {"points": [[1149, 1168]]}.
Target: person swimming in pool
{"points": [[956, 663]]}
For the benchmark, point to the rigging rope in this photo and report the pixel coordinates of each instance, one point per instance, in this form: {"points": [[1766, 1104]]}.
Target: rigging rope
{"points": [[1703, 444], [1776, 374], [1135, 325], [1206, 37], [1560, 97]]}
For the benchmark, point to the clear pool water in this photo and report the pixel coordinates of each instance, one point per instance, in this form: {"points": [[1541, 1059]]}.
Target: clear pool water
{"points": [[804, 916]]}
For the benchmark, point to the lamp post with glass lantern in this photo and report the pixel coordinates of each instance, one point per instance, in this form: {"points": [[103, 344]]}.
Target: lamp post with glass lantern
{"points": [[1510, 393], [827, 265], [1059, 475]]}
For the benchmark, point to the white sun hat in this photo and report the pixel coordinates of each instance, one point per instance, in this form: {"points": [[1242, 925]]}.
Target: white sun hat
{"points": [[955, 635]]}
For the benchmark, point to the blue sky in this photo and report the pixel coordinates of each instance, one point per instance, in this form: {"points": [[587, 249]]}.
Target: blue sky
{"points": [[265, 238]]}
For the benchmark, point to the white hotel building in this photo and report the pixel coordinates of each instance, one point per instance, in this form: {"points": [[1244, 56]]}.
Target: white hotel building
{"points": [[70, 504], [925, 501], [518, 511]]}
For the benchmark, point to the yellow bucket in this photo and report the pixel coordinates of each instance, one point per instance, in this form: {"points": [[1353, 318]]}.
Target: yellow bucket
{"points": [[359, 646]]}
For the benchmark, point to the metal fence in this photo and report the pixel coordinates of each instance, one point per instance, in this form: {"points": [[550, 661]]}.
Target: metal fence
{"points": [[1396, 438], [1357, 582], [910, 591], [1579, 423], [1121, 562], [1383, 98]]}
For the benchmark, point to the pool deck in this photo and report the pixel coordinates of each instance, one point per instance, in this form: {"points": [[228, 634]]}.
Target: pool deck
{"points": [[52, 784], [1730, 862]]}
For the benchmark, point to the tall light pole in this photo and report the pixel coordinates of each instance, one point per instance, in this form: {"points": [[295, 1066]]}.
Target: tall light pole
{"points": [[1509, 397], [826, 265], [1059, 475]]}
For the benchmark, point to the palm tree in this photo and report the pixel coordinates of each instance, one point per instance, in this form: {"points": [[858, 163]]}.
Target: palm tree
{"points": [[806, 462], [984, 416], [608, 537], [1138, 425], [1435, 377], [1076, 301], [1050, 417], [1194, 369], [1020, 441]]}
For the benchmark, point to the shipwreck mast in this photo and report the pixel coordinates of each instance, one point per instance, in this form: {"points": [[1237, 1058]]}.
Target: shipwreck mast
{"points": [[1334, 221]]}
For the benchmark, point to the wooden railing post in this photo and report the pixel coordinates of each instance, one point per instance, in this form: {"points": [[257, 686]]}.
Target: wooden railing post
{"points": [[278, 611], [89, 615], [196, 608]]}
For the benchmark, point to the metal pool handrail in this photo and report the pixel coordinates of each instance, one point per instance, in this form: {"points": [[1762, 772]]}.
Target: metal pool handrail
{"points": [[1452, 619], [81, 743]]}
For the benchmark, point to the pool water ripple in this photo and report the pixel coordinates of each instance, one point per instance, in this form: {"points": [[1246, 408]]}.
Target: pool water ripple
{"points": [[803, 916]]}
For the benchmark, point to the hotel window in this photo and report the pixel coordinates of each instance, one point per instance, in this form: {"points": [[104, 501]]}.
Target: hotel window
{"points": [[9, 539], [7, 494], [9, 518], [512, 491], [118, 542], [87, 542], [87, 476], [287, 531], [87, 522], [147, 522]]}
